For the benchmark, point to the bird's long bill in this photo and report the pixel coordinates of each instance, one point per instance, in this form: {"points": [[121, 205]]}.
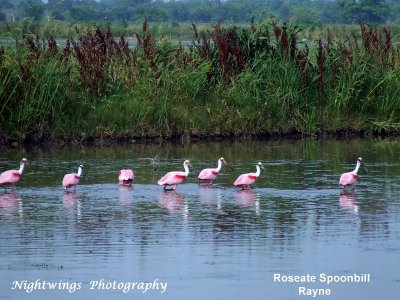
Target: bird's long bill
{"points": [[230, 167], [262, 167], [84, 173], [30, 167], [365, 169], [193, 169]]}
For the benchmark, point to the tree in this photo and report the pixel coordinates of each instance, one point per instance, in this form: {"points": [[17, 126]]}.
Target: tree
{"points": [[84, 10], [373, 11], [58, 9], [5, 4], [366, 11], [239, 11], [178, 11], [33, 8], [154, 13]]}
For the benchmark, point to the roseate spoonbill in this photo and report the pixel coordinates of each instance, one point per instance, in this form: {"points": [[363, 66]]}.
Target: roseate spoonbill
{"points": [[11, 177], [72, 179], [209, 175], [247, 180], [350, 178], [174, 178], [125, 177]]}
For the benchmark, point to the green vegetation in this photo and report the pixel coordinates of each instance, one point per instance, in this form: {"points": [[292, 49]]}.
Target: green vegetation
{"points": [[203, 11], [253, 80]]}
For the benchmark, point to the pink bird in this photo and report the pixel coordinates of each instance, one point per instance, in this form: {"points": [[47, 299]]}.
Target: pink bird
{"points": [[72, 179], [350, 178], [175, 178], [209, 175], [11, 177], [247, 180], [125, 177]]}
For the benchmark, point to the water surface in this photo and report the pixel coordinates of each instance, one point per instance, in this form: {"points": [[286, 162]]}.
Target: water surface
{"points": [[204, 242]]}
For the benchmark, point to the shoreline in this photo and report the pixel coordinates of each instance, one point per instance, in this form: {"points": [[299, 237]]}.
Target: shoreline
{"points": [[12, 142]]}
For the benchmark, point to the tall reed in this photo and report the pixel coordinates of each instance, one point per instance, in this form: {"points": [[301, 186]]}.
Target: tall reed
{"points": [[253, 80]]}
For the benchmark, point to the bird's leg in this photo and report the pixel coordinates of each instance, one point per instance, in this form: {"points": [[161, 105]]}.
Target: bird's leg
{"points": [[12, 187], [174, 187], [165, 187]]}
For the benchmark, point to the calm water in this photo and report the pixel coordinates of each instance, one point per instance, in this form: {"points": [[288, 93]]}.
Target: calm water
{"points": [[203, 243]]}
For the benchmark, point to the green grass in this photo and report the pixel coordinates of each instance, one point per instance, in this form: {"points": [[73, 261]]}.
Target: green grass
{"points": [[232, 81]]}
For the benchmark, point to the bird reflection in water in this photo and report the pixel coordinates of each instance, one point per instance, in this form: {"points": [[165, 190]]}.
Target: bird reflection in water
{"points": [[210, 195], [172, 202], [248, 199], [72, 201], [125, 195], [11, 204], [348, 202]]}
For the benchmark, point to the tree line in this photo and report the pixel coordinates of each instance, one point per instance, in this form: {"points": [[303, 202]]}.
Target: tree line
{"points": [[301, 11]]}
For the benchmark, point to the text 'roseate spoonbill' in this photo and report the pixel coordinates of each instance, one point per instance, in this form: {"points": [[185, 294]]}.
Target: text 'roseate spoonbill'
{"points": [[246, 181], [72, 179], [11, 177], [176, 177]]}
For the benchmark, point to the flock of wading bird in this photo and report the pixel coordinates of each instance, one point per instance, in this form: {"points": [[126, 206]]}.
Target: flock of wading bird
{"points": [[171, 180]]}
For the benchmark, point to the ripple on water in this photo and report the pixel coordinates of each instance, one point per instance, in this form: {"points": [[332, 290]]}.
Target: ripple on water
{"points": [[205, 240]]}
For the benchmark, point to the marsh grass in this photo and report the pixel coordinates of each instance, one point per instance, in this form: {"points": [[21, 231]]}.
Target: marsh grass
{"points": [[252, 80]]}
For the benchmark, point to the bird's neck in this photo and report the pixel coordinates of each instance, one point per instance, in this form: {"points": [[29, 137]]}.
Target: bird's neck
{"points": [[185, 166], [219, 165], [79, 172], [258, 170], [21, 168], [357, 167]]}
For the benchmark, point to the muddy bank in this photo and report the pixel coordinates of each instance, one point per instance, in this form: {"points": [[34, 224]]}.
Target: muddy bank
{"points": [[110, 140]]}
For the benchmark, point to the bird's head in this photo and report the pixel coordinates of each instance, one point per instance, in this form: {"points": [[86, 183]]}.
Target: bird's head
{"points": [[359, 161]]}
